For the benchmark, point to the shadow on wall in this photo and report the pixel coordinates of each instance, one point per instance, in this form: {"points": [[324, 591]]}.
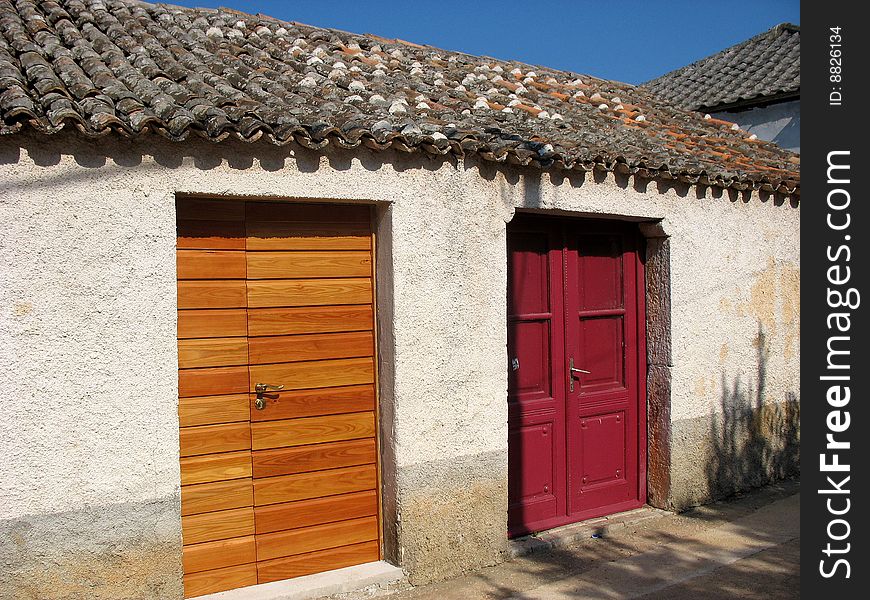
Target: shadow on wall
{"points": [[752, 442]]}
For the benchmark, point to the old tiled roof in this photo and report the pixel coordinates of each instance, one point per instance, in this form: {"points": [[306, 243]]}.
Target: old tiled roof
{"points": [[767, 65], [127, 67]]}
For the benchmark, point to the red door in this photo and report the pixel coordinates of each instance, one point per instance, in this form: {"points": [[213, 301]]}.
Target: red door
{"points": [[577, 445]]}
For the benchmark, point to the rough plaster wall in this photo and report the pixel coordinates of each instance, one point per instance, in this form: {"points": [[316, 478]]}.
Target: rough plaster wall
{"points": [[88, 327]]}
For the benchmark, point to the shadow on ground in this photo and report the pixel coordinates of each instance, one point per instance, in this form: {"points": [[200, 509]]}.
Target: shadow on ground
{"points": [[672, 544]]}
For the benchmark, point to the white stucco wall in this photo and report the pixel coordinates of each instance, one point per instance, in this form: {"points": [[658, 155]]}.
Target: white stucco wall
{"points": [[87, 329]]}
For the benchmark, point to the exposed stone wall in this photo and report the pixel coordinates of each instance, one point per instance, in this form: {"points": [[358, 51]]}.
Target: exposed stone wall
{"points": [[88, 353]]}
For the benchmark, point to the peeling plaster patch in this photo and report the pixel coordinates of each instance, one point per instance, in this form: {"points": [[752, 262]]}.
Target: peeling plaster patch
{"points": [[775, 302], [21, 309]]}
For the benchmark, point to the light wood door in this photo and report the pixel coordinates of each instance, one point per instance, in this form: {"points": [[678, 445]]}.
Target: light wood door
{"points": [[280, 483]]}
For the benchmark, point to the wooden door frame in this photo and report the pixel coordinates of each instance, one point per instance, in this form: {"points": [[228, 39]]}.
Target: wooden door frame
{"points": [[642, 293]]}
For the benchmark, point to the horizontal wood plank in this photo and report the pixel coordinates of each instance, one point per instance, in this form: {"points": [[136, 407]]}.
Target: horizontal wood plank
{"points": [[222, 553], [211, 382], [312, 430], [210, 209], [298, 292], [299, 459], [312, 403], [321, 373], [211, 410], [309, 319], [220, 525], [317, 562], [212, 352], [210, 264], [211, 235], [317, 484], [305, 513], [301, 265], [218, 580], [220, 495], [288, 235], [215, 467], [318, 537], [308, 212], [208, 439], [228, 322], [227, 293], [316, 346]]}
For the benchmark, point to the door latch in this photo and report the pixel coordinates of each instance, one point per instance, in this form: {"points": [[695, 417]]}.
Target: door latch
{"points": [[262, 388], [572, 371]]}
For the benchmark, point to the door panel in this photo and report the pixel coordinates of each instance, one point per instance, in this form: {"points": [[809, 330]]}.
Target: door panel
{"points": [[211, 294], [218, 580], [316, 402], [318, 484], [312, 430], [536, 403], [217, 495], [212, 526], [315, 562], [210, 264], [311, 347], [215, 555], [315, 374], [209, 410], [298, 292], [316, 511], [574, 442], [215, 467], [601, 335], [317, 537], [212, 323], [601, 456], [301, 264], [599, 350], [309, 319], [313, 457], [282, 482]]}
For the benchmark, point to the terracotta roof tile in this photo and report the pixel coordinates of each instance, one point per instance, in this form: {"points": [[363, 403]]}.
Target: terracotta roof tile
{"points": [[129, 68]]}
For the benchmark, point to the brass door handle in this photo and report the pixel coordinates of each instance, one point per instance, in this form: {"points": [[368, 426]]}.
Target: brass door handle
{"points": [[262, 388], [265, 387]]}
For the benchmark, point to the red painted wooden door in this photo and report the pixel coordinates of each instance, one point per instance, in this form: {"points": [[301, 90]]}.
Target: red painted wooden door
{"points": [[576, 439]]}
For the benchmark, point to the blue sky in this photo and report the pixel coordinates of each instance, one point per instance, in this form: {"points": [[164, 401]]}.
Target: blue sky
{"points": [[630, 41]]}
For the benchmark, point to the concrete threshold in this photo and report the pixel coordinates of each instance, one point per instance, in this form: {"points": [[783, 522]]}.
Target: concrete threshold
{"points": [[318, 585], [567, 535]]}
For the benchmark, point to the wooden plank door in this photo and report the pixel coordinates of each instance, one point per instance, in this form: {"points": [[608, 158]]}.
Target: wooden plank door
{"points": [[276, 483], [576, 446]]}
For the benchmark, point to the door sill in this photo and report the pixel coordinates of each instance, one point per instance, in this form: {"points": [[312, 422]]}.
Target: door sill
{"points": [[318, 585], [566, 535]]}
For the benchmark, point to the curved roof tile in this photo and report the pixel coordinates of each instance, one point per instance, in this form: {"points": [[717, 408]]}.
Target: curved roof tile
{"points": [[127, 68], [768, 64]]}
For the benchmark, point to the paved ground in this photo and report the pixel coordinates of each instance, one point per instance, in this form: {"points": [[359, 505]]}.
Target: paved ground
{"points": [[747, 548]]}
